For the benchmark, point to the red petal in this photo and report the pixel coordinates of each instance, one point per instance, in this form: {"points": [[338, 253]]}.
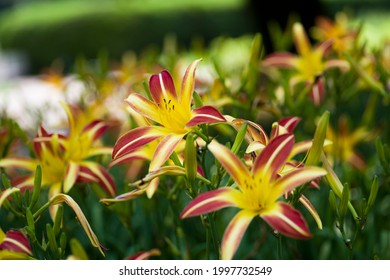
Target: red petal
{"points": [[164, 150], [317, 92], [274, 156], [162, 86], [16, 241], [279, 59], [187, 86], [289, 123], [102, 177], [133, 139], [233, 165], [209, 201], [234, 233], [287, 221], [96, 129], [205, 114]]}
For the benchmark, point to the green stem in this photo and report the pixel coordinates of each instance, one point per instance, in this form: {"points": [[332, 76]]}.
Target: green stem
{"points": [[202, 135], [213, 235], [43, 208], [279, 247]]}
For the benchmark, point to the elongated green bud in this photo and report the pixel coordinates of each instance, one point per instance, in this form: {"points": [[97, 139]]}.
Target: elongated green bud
{"points": [[190, 161], [58, 220], [30, 219], [52, 241], [344, 201], [318, 142], [37, 186], [373, 194], [77, 249], [239, 138]]}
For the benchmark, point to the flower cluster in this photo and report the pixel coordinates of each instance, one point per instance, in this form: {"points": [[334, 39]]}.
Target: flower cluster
{"points": [[158, 159]]}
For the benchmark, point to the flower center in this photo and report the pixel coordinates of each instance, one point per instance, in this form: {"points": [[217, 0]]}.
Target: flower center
{"points": [[173, 116], [256, 195], [310, 65]]}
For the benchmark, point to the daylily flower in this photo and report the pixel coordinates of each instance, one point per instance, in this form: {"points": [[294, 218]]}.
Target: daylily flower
{"points": [[65, 160], [344, 142], [308, 66], [14, 245], [258, 139], [257, 194], [172, 114], [338, 31]]}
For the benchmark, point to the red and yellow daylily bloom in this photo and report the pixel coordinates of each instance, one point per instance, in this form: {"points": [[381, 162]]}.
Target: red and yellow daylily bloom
{"points": [[65, 160], [14, 245], [257, 194], [258, 139], [335, 30], [171, 114], [309, 64]]}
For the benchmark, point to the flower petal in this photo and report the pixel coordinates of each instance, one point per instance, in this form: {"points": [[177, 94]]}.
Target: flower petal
{"points": [[288, 221], [317, 91], [339, 63], [143, 106], [60, 198], [254, 131], [233, 165], [24, 163], [5, 194], [205, 114], [188, 84], [165, 170], [301, 40], [95, 129], [306, 202], [123, 197], [301, 147], [210, 201], [255, 146], [234, 233], [16, 241], [144, 255], [135, 138], [274, 156], [297, 177], [289, 123], [162, 87], [279, 59], [104, 179], [71, 174], [133, 155], [152, 187], [164, 150]]}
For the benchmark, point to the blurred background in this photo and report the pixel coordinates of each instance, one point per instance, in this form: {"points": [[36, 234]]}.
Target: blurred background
{"points": [[34, 33]]}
